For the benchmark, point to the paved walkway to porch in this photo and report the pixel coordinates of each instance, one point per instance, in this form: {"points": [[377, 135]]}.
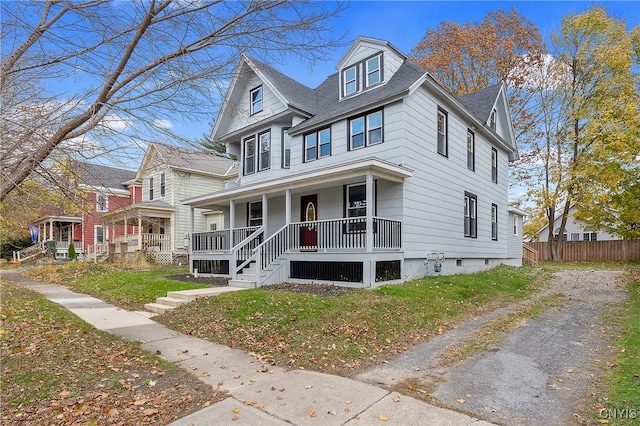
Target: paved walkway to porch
{"points": [[264, 394]]}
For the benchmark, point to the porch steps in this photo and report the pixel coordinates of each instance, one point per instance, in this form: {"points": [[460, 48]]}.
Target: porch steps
{"points": [[243, 282], [173, 299]]}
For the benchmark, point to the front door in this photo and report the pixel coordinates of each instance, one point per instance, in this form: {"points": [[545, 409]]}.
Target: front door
{"points": [[309, 213]]}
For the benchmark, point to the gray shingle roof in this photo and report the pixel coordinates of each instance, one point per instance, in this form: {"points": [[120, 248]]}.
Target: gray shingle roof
{"points": [[482, 101], [202, 161], [96, 175]]}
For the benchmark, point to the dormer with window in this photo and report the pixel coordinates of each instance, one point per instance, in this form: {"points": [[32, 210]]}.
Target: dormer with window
{"points": [[369, 63]]}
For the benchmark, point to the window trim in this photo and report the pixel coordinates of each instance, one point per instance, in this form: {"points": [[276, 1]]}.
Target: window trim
{"points": [[470, 215], [257, 218], [102, 206], [253, 102], [367, 72], [317, 147], [162, 185], [285, 160], [494, 165], [358, 227], [494, 222], [244, 156], [442, 113], [345, 82], [471, 153], [261, 167], [365, 129]]}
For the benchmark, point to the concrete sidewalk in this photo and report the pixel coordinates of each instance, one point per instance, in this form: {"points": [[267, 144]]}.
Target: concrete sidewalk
{"points": [[260, 394]]}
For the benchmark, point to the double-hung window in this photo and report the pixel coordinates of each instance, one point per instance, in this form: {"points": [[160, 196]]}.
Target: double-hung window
{"points": [[494, 222], [264, 161], [317, 145], [254, 213], [471, 148], [374, 73], [470, 214], [494, 165], [256, 100], [250, 155], [443, 148], [492, 119], [162, 185], [349, 80], [366, 130], [286, 149], [101, 203], [150, 189]]}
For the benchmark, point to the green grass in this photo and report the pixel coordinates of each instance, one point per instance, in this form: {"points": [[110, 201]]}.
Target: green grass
{"points": [[600, 266], [122, 285], [347, 333], [624, 380]]}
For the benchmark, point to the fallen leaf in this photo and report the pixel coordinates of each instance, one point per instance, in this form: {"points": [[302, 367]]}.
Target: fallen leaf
{"points": [[150, 411], [152, 383], [234, 418], [383, 417], [460, 400], [205, 374], [347, 402], [141, 401], [396, 399], [570, 370], [236, 410], [332, 413], [312, 413]]}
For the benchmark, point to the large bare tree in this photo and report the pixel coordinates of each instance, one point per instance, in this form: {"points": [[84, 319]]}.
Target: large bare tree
{"points": [[71, 68]]}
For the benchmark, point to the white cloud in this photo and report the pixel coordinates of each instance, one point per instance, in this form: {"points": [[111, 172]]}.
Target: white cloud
{"points": [[162, 123]]}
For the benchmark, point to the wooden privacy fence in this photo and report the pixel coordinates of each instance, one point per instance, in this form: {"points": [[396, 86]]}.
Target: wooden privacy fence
{"points": [[586, 251]]}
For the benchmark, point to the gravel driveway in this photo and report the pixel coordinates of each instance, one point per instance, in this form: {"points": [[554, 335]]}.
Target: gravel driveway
{"points": [[540, 374]]}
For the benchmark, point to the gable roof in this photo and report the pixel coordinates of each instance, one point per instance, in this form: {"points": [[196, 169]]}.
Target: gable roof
{"points": [[99, 176], [188, 160], [483, 101]]}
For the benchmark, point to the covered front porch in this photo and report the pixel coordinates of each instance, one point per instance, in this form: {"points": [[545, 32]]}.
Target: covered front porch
{"points": [[63, 230], [146, 227], [349, 231]]}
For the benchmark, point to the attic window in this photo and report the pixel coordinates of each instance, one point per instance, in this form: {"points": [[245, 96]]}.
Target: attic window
{"points": [[256, 100], [373, 70], [349, 78], [492, 119]]}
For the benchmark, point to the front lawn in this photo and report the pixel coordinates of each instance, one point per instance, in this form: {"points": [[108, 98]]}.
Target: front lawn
{"points": [[124, 285], [57, 369], [344, 334]]}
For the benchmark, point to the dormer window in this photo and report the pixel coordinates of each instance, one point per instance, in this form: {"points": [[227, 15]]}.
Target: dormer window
{"points": [[256, 100], [492, 119], [373, 71], [349, 76]]}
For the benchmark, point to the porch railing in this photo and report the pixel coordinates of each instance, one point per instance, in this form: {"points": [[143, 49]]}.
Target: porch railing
{"points": [[96, 250], [29, 252], [213, 241], [244, 252], [156, 242]]}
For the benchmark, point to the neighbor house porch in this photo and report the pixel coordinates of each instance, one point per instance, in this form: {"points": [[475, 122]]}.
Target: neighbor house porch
{"points": [[349, 231], [63, 230]]}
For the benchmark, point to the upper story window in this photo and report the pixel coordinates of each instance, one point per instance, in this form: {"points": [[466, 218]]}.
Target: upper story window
{"points": [[374, 74], [494, 165], [162, 185], [349, 80], [265, 150], [443, 143], [471, 148], [102, 203], [470, 213], [515, 225], [256, 100], [286, 149], [366, 130], [492, 119], [317, 144], [249, 155], [150, 189]]}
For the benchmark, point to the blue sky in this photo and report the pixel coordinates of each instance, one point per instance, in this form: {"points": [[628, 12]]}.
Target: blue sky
{"points": [[404, 23]]}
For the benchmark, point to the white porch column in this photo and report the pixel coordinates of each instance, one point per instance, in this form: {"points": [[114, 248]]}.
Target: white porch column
{"points": [[232, 220], [51, 229], [140, 233], [287, 206], [265, 214], [369, 191], [192, 221]]}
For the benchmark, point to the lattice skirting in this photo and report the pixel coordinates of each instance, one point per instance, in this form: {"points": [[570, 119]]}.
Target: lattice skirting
{"points": [[164, 257]]}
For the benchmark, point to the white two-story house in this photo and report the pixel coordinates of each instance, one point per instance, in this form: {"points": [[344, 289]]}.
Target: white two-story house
{"points": [[376, 175]]}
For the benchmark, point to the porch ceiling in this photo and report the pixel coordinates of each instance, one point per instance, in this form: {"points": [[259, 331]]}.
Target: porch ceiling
{"points": [[58, 218], [380, 169], [155, 210]]}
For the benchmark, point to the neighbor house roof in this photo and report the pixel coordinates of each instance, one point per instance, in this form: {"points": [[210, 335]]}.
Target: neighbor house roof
{"points": [[99, 176], [198, 161]]}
